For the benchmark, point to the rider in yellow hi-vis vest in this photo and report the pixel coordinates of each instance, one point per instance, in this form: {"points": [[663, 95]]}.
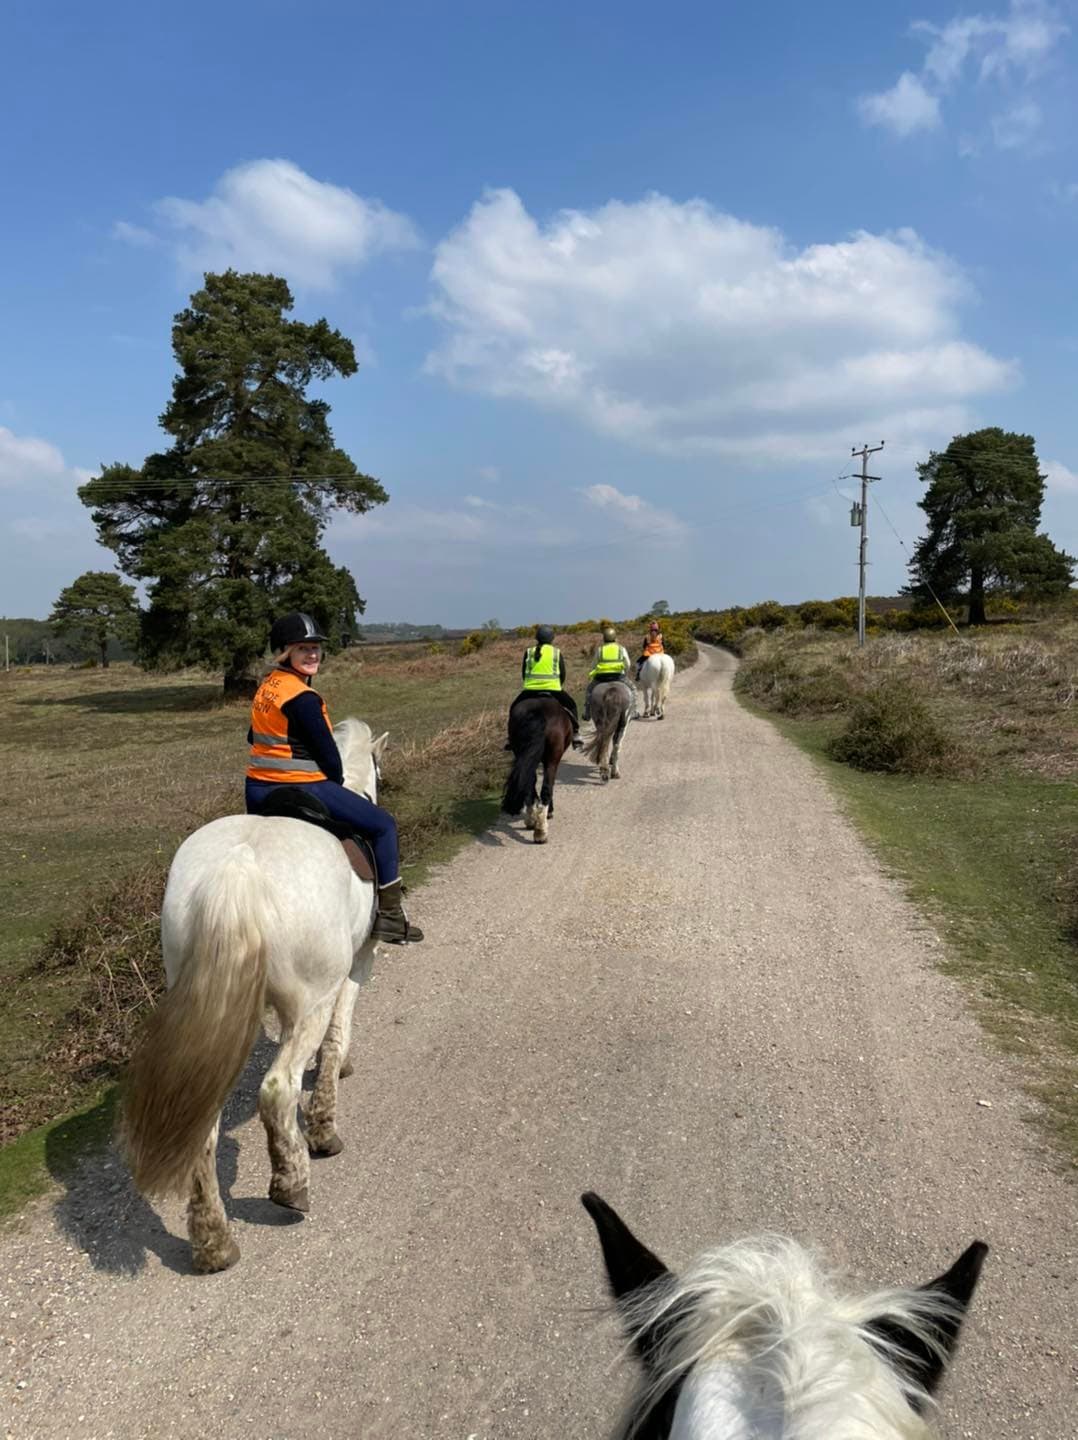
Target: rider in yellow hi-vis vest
{"points": [[542, 672], [611, 662]]}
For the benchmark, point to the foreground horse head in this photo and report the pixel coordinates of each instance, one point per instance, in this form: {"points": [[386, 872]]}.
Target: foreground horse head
{"points": [[258, 910], [755, 1342], [540, 732], [656, 677], [611, 706]]}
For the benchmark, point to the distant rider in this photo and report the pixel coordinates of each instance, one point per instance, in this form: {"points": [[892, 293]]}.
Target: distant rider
{"points": [[542, 671], [652, 645], [610, 662], [292, 744]]}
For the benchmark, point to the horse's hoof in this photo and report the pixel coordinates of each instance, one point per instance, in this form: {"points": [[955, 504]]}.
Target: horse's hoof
{"points": [[331, 1146], [298, 1199], [347, 1069], [209, 1262], [615, 774], [541, 839]]}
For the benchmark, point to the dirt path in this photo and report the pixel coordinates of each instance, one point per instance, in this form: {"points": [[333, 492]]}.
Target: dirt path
{"points": [[701, 999]]}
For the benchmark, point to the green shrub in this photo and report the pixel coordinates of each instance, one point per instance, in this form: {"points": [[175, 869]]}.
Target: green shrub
{"points": [[475, 640], [774, 682], [675, 640], [891, 730], [822, 692], [765, 678], [825, 615]]}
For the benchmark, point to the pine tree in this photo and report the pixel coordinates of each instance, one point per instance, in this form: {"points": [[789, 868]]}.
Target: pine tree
{"points": [[98, 607], [983, 503], [227, 523]]}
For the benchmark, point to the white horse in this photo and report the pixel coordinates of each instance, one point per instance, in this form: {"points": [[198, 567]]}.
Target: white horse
{"points": [[755, 1342], [258, 910], [656, 677]]}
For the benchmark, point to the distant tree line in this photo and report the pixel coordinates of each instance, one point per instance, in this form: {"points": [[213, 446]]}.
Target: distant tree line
{"points": [[224, 528]]}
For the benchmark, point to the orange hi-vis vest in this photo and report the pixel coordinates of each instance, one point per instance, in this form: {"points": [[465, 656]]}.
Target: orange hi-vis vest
{"points": [[274, 757], [653, 645]]}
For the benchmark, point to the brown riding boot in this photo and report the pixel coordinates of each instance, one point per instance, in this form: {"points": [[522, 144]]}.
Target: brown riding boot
{"points": [[392, 924]]}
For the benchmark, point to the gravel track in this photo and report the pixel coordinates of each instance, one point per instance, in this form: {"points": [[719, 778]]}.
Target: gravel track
{"points": [[702, 999]]}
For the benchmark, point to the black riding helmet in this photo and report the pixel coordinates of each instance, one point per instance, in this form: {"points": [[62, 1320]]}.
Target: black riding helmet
{"points": [[293, 629], [544, 635]]}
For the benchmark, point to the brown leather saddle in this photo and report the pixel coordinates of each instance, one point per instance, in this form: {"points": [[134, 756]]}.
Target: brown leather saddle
{"points": [[292, 802]]}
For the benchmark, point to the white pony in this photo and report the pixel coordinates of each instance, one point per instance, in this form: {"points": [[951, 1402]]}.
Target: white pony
{"points": [[258, 910], [755, 1342], [656, 677]]}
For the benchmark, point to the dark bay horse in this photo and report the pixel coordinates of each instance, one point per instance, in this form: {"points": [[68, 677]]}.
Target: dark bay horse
{"points": [[540, 732]]}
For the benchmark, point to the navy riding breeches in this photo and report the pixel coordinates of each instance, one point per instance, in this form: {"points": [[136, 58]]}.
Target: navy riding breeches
{"points": [[372, 822]]}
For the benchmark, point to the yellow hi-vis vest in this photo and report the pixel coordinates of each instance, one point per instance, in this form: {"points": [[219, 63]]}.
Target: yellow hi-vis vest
{"points": [[544, 672], [610, 661]]}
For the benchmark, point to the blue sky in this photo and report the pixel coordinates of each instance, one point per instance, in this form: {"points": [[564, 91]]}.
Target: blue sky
{"points": [[628, 280]]}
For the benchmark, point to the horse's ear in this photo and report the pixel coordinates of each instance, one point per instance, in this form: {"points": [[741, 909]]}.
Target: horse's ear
{"points": [[629, 1264], [924, 1364], [630, 1267], [379, 745]]}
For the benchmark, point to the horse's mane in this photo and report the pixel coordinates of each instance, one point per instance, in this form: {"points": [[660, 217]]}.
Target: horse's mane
{"points": [[766, 1308], [354, 741]]}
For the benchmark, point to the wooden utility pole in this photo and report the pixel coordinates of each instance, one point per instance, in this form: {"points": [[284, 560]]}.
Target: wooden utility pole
{"points": [[864, 452]]}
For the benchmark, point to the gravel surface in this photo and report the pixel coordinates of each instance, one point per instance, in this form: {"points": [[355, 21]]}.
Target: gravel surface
{"points": [[702, 999]]}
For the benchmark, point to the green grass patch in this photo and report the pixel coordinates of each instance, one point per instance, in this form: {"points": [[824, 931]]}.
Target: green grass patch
{"points": [[30, 1165]]}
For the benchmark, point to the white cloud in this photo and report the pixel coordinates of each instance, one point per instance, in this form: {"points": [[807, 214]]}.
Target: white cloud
{"points": [[1009, 49], [271, 215], [633, 513], [683, 330], [25, 459], [1059, 476], [905, 108], [1015, 128], [490, 474], [1020, 40], [136, 235]]}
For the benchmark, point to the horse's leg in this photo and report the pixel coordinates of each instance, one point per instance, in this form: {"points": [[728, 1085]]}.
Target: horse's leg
{"points": [[615, 752], [212, 1245], [322, 1137], [546, 800], [277, 1101]]}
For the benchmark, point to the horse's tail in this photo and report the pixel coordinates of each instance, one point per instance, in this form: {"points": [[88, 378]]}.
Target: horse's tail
{"points": [[529, 744], [609, 715], [665, 680], [198, 1039]]}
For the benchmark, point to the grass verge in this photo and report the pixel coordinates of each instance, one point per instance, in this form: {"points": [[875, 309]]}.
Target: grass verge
{"points": [[989, 857]]}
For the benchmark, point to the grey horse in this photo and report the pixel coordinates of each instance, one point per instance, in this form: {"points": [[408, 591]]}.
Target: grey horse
{"points": [[611, 706]]}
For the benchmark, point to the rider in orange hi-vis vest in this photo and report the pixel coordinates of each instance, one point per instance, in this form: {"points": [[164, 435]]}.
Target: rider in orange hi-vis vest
{"points": [[652, 645], [292, 744]]}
